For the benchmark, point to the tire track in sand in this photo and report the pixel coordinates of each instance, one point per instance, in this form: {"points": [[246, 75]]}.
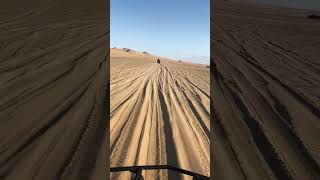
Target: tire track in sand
{"points": [[159, 115]]}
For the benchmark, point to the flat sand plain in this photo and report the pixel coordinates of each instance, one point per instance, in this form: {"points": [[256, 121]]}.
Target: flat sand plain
{"points": [[265, 91], [53, 75], [159, 114]]}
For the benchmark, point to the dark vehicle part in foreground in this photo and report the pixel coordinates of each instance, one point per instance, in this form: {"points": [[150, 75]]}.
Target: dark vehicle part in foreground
{"points": [[313, 16], [137, 171]]}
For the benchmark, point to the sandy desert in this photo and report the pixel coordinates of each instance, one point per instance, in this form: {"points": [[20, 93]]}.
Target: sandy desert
{"points": [[54, 87], [159, 114], [53, 75], [265, 92]]}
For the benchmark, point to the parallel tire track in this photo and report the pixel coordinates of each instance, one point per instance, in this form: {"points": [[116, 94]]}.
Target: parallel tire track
{"points": [[180, 136]]}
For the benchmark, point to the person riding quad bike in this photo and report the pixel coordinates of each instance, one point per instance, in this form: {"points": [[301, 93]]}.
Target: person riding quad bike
{"points": [[158, 61]]}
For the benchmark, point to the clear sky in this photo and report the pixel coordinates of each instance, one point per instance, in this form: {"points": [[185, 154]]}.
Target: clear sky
{"points": [[177, 29]]}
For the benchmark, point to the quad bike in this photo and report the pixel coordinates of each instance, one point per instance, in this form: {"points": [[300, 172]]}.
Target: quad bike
{"points": [[158, 61], [137, 171]]}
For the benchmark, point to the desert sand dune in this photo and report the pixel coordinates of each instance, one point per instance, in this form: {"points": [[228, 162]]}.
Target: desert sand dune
{"points": [[53, 74], [159, 114], [266, 89]]}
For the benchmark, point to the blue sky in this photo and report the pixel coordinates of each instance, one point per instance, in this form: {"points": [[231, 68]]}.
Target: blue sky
{"points": [[177, 29]]}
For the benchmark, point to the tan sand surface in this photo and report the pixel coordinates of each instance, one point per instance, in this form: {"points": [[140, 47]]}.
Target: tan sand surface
{"points": [[53, 74], [266, 92], [159, 114]]}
